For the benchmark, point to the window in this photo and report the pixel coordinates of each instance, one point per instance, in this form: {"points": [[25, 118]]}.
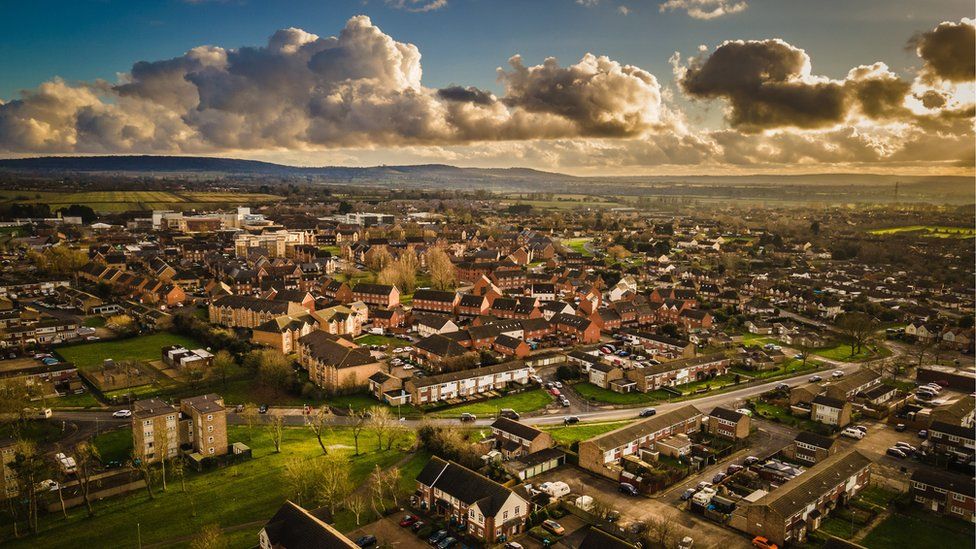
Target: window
{"points": [[958, 497], [958, 510], [209, 428], [471, 513], [921, 499], [517, 511], [209, 417], [211, 450], [505, 515], [209, 439]]}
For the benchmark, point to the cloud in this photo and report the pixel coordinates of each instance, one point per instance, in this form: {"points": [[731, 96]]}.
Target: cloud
{"points": [[417, 6], [623, 10], [704, 9], [361, 88], [948, 51]]}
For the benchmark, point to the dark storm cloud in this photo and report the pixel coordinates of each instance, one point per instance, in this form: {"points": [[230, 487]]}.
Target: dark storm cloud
{"points": [[949, 51], [469, 94]]}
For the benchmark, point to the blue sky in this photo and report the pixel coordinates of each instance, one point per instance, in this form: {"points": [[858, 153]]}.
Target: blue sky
{"points": [[462, 43]]}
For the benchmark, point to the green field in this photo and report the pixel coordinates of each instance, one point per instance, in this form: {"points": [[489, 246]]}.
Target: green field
{"points": [[935, 231], [578, 245], [117, 201], [115, 445], [789, 367], [919, 529], [568, 434], [842, 351], [528, 401], [84, 400], [141, 348], [598, 394], [241, 494], [382, 340]]}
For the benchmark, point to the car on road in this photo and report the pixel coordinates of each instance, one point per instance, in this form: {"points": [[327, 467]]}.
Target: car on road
{"points": [[783, 387], [509, 413], [553, 527], [570, 420], [851, 432], [122, 413], [647, 412], [815, 379], [436, 537], [468, 417], [798, 356], [837, 373], [408, 520], [368, 540], [628, 488], [896, 452], [686, 495], [263, 409], [760, 542]]}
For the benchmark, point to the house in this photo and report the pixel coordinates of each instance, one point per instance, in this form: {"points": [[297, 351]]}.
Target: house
{"points": [[583, 330], [952, 438], [788, 513], [293, 527], [678, 372], [437, 347], [946, 493], [345, 319], [510, 346], [850, 385], [811, 448], [466, 383], [334, 363], [282, 332], [514, 439], [388, 388], [602, 374], [726, 423], [377, 295], [830, 411], [480, 506], [429, 324], [657, 344], [337, 291], [238, 311], [602, 453], [435, 301]]}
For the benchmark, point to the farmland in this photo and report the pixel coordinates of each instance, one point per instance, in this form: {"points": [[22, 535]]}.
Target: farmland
{"points": [[118, 201], [933, 231]]}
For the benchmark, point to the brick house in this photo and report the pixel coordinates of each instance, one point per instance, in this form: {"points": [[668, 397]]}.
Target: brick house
{"points": [[435, 301], [945, 493], [830, 411], [726, 423], [514, 439], [377, 295], [811, 448], [249, 312], [334, 363]]}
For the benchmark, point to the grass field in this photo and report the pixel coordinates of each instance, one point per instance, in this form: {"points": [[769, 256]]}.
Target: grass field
{"points": [[598, 394], [115, 445], [84, 400], [566, 435], [842, 351], [143, 348], [116, 201], [936, 231], [919, 529], [528, 401], [239, 494], [789, 367], [578, 245], [382, 340]]}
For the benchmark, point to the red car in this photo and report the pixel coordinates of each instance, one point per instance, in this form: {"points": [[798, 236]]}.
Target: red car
{"points": [[408, 520]]}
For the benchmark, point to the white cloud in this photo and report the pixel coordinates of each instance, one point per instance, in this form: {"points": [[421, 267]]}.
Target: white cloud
{"points": [[417, 6], [705, 9]]}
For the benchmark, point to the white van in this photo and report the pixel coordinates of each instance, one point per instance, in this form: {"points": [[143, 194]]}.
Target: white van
{"points": [[556, 489]]}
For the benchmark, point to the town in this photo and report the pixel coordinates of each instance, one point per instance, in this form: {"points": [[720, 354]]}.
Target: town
{"points": [[285, 367]]}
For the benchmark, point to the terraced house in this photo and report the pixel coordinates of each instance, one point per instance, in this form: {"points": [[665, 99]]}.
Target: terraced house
{"points": [[466, 383], [480, 506], [678, 372], [237, 311]]}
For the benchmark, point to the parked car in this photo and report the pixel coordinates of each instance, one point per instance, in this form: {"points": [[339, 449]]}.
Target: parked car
{"points": [[900, 427], [744, 411], [861, 428], [733, 469], [896, 452], [122, 413], [704, 484], [759, 542], [513, 545], [366, 541], [750, 460], [686, 495], [569, 420], [558, 384], [647, 412], [436, 537], [446, 543], [815, 379], [564, 402], [851, 432], [719, 477], [923, 434], [627, 488], [408, 520], [553, 527], [906, 447], [468, 417]]}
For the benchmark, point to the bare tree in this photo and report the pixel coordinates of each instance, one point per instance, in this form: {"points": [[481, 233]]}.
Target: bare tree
{"points": [[376, 486], [357, 505], [250, 416], [209, 537], [86, 454], [360, 421], [299, 476], [147, 474], [276, 429], [318, 424], [334, 483], [661, 530], [392, 481], [857, 327], [380, 422]]}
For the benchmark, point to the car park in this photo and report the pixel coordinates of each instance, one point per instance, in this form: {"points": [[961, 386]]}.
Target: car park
{"points": [[436, 537], [447, 543]]}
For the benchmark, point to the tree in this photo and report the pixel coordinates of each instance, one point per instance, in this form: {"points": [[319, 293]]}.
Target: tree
{"points": [[857, 327], [147, 474], [661, 530], [357, 505], [86, 456], [299, 476], [86, 213], [209, 537], [380, 422], [276, 428], [223, 362], [250, 415], [360, 421], [123, 324], [274, 369], [30, 468], [334, 483], [59, 260], [618, 252], [443, 273], [318, 424], [377, 257]]}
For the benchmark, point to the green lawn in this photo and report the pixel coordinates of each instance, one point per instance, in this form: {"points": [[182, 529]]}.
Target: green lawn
{"points": [[528, 401], [37, 430], [568, 434], [711, 384], [143, 348], [919, 529], [783, 415], [842, 351], [84, 400], [382, 340], [238, 494], [789, 367], [115, 445], [598, 394], [94, 322], [578, 245]]}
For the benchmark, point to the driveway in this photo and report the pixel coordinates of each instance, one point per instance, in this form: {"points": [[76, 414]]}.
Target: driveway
{"points": [[389, 534]]}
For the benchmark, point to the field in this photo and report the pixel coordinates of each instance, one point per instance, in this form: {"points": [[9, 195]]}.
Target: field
{"points": [[141, 348], [244, 495], [578, 245], [569, 434], [117, 201], [382, 340], [115, 445], [918, 528], [528, 401], [935, 231]]}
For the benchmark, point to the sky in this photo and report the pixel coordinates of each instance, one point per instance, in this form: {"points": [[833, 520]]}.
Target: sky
{"points": [[613, 87]]}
